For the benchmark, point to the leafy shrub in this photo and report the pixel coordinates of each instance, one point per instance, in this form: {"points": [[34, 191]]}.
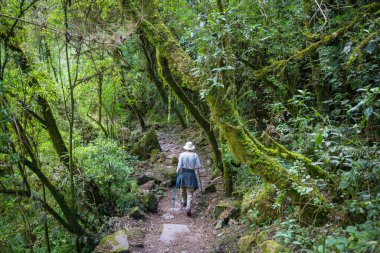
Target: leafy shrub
{"points": [[109, 166]]}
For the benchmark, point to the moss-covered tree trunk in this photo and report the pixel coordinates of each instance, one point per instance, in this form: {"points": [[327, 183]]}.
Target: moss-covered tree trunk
{"points": [[151, 67], [167, 77], [48, 120], [312, 203]]}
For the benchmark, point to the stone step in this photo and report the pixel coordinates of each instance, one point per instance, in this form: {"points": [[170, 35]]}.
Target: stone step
{"points": [[170, 232]]}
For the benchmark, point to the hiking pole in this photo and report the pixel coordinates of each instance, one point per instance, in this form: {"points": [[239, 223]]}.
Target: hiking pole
{"points": [[174, 192], [200, 185]]}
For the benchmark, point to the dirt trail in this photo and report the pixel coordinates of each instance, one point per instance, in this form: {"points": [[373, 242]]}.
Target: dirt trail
{"points": [[202, 231]]}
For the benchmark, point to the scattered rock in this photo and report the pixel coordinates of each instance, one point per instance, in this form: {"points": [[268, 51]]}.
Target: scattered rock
{"points": [[271, 246], [168, 216], [220, 224], [143, 179], [147, 186], [136, 237], [210, 188], [217, 180], [217, 247], [177, 207], [114, 243], [136, 213], [229, 213], [218, 210], [168, 183], [213, 203]]}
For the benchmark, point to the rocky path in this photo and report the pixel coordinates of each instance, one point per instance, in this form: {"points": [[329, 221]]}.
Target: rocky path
{"points": [[171, 230]]}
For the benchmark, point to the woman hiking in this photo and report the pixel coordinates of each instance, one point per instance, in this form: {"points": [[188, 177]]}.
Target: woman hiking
{"points": [[187, 180]]}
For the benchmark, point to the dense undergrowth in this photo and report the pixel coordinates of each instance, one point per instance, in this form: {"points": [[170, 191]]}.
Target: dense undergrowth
{"points": [[348, 154]]}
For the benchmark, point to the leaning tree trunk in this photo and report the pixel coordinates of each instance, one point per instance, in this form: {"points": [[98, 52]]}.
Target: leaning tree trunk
{"points": [[312, 203], [167, 76], [151, 66]]}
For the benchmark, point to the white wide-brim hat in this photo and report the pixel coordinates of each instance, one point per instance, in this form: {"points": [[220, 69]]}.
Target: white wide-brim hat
{"points": [[189, 146]]}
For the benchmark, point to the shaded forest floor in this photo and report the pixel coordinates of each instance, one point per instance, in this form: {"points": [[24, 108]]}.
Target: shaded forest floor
{"points": [[145, 234]]}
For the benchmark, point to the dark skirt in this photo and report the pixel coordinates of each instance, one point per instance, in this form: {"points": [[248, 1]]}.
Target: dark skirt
{"points": [[187, 178]]}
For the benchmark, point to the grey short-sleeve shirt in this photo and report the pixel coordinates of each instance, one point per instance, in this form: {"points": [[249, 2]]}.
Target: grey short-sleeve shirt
{"points": [[189, 160]]}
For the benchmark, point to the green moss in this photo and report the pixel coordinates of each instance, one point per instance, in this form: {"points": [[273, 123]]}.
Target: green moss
{"points": [[154, 152], [223, 112], [271, 246], [257, 205], [146, 145], [114, 243], [280, 150], [268, 168], [218, 210], [138, 232], [246, 243]]}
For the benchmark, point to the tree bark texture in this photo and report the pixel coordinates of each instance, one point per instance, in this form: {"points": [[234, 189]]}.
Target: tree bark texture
{"points": [[167, 76], [151, 67]]}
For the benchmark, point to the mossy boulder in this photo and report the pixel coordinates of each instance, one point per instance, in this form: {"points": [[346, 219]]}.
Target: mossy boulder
{"points": [[257, 205], [149, 202], [229, 213], [145, 145], [220, 224], [142, 179], [136, 236], [170, 174], [219, 209], [211, 188], [148, 186], [136, 213], [114, 243], [246, 243], [271, 246]]}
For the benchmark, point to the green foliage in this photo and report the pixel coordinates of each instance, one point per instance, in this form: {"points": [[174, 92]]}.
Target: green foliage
{"points": [[359, 238], [324, 104], [109, 166]]}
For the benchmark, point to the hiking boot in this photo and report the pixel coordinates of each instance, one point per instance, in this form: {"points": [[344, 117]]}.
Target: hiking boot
{"points": [[188, 213]]}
